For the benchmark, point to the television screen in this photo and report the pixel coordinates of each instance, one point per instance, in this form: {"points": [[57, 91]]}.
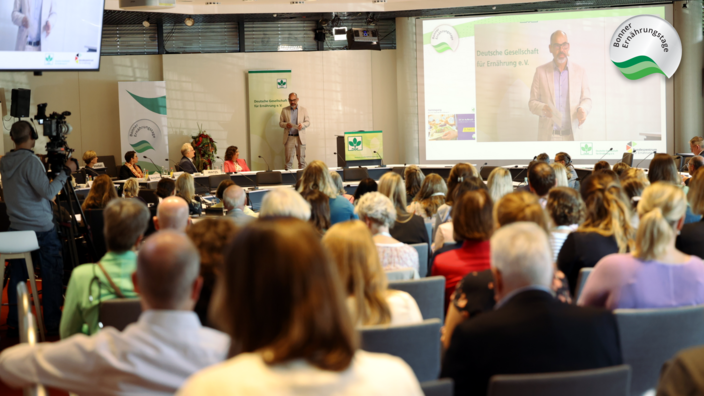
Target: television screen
{"points": [[39, 35]]}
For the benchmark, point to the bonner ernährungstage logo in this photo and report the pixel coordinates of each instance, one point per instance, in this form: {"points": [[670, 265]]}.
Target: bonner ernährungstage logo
{"points": [[646, 44], [445, 37]]}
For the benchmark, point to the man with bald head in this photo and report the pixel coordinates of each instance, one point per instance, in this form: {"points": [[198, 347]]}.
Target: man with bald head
{"points": [[560, 92], [233, 199], [172, 214], [294, 120], [152, 356]]}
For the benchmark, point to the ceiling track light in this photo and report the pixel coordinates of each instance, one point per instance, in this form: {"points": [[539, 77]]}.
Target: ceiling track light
{"points": [[146, 23], [189, 21]]}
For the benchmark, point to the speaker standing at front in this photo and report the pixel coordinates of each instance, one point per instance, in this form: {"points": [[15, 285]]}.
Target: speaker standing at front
{"points": [[294, 120]]}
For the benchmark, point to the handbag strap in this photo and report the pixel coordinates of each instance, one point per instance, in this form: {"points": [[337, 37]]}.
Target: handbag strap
{"points": [[112, 283]]}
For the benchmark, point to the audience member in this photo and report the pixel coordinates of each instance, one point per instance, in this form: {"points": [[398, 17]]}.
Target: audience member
{"points": [[233, 162], [153, 356], [637, 174], [663, 168], [316, 176], [131, 190], [185, 188], [543, 157], [637, 280], [284, 202], [362, 278], [565, 159], [364, 186], [691, 238], [601, 165], [319, 210], [528, 321], [473, 224], [282, 301], [165, 188], [683, 374], [172, 214], [125, 221], [186, 163], [90, 158], [222, 186], [407, 227], [413, 176], [693, 165], [101, 192], [377, 211], [458, 174], [210, 236], [445, 232], [337, 181], [430, 197], [233, 200], [633, 188], [606, 228], [696, 145], [566, 210], [130, 168], [541, 178], [620, 167], [499, 183]]}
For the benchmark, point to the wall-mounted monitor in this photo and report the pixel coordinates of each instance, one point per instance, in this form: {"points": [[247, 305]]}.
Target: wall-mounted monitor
{"points": [[50, 35]]}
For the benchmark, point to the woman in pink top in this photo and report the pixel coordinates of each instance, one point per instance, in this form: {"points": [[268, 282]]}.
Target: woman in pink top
{"points": [[655, 274], [233, 162]]}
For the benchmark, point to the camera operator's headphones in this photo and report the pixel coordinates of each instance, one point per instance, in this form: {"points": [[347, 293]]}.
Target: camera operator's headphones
{"points": [[31, 128]]}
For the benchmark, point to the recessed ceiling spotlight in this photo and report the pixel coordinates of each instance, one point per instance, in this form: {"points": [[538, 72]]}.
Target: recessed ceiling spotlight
{"points": [[189, 21], [146, 23], [298, 2]]}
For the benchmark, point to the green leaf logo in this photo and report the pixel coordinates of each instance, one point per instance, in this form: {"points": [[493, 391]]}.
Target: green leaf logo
{"points": [[281, 83], [49, 58], [354, 143], [586, 148], [142, 146]]}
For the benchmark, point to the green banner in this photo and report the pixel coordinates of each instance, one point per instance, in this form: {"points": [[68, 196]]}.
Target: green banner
{"points": [[268, 94], [361, 145]]}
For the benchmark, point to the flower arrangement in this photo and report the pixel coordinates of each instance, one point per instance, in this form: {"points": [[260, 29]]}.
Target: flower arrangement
{"points": [[205, 148]]}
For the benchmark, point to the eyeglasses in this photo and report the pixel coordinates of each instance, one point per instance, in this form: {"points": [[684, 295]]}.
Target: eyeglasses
{"points": [[562, 46], [293, 100]]}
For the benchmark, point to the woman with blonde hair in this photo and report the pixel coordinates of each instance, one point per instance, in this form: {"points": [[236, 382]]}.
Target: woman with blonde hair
{"points": [[316, 176], [101, 192], [499, 183], [370, 301], [90, 158], [635, 173], [655, 274], [413, 177], [185, 188], [430, 197], [407, 228], [560, 175]]}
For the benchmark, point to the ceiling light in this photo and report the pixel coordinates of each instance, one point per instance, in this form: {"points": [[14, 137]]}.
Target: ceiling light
{"points": [[146, 23], [189, 21], [290, 48]]}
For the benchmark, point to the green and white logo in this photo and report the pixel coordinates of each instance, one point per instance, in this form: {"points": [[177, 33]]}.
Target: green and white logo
{"points": [[646, 44], [354, 143], [586, 148], [445, 38], [281, 83], [49, 59]]}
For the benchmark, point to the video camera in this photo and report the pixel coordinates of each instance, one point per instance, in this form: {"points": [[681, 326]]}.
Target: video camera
{"points": [[56, 129]]}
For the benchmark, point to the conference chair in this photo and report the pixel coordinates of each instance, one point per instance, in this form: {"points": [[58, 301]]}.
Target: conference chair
{"points": [[429, 228], [609, 381], [678, 162], [110, 168], [581, 281], [94, 218], [440, 387], [79, 177], [354, 174], [583, 174], [486, 171], [269, 178], [650, 337], [215, 180], [28, 331], [119, 312], [149, 196], [429, 293], [627, 158], [299, 173], [399, 170], [400, 274], [418, 345], [20, 245], [422, 249]]}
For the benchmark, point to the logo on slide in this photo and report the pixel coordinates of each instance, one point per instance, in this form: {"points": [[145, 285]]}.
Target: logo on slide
{"points": [[586, 148], [76, 58], [281, 83], [49, 59], [143, 135], [354, 143], [445, 38], [644, 45], [630, 146]]}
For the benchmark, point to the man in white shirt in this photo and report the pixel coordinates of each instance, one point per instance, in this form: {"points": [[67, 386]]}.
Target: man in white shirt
{"points": [[153, 356], [33, 17]]}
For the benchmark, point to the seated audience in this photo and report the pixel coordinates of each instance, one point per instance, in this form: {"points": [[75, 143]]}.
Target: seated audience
{"points": [[459, 173], [222, 186], [601, 165], [691, 238], [172, 214], [530, 331], [90, 158], [101, 192], [565, 159], [130, 168], [153, 356], [413, 177], [233, 200], [633, 188], [430, 197], [125, 222], [620, 167], [185, 188], [445, 232], [337, 181], [378, 213], [233, 162], [131, 190], [284, 202], [566, 210], [370, 301], [186, 163], [364, 186], [472, 223], [693, 165], [637, 174], [683, 374], [407, 228], [560, 175], [165, 188], [316, 176], [210, 236], [541, 178], [298, 340], [655, 274], [663, 168], [499, 183], [695, 145], [606, 228], [319, 210]]}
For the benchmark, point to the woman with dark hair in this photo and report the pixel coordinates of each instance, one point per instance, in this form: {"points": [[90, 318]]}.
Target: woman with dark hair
{"points": [[663, 168], [165, 188], [565, 159], [319, 209], [131, 169], [413, 177], [101, 192], [233, 162], [281, 301], [365, 186], [445, 232]]}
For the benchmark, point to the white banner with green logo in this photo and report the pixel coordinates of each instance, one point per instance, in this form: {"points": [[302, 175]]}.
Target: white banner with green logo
{"points": [[268, 94], [361, 145], [143, 123]]}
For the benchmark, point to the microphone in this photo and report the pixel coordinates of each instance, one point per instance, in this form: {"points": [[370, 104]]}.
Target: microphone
{"points": [[381, 159], [343, 160], [155, 165], [256, 187], [268, 168], [480, 169], [602, 157], [646, 157]]}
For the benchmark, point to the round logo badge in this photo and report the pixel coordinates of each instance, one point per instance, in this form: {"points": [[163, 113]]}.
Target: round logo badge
{"points": [[445, 38], [143, 135]]}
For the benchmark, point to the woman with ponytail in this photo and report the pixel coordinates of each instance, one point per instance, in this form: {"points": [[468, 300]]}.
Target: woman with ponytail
{"points": [[655, 274], [606, 228]]}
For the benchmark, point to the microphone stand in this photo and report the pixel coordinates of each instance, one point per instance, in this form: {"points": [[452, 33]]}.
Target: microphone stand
{"points": [[602, 157], [268, 168], [155, 165], [343, 160], [646, 157], [381, 159]]}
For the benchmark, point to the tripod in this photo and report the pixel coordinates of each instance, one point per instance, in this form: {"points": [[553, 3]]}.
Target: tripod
{"points": [[73, 228]]}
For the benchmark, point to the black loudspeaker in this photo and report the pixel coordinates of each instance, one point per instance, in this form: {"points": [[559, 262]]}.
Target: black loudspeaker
{"points": [[20, 103]]}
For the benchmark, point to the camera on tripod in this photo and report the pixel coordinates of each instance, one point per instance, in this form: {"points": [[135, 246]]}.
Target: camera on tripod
{"points": [[56, 129]]}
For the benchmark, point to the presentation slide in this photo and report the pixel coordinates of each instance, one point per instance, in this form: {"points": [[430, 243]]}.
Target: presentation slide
{"points": [[513, 86], [50, 34]]}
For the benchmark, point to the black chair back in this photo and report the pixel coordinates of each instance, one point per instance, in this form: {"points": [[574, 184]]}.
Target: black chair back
{"points": [[441, 387], [354, 174], [149, 196], [94, 217], [80, 176], [609, 381], [120, 312], [270, 178], [215, 180], [627, 158], [4, 219], [110, 165], [486, 171], [583, 174]]}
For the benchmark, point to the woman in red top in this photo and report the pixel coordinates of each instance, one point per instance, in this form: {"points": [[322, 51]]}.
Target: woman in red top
{"points": [[233, 162], [473, 223]]}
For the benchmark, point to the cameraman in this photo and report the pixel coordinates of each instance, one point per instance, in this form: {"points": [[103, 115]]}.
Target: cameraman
{"points": [[28, 194]]}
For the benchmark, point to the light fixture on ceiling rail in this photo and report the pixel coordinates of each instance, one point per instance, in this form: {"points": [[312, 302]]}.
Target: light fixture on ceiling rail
{"points": [[189, 21], [146, 23], [298, 2]]}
